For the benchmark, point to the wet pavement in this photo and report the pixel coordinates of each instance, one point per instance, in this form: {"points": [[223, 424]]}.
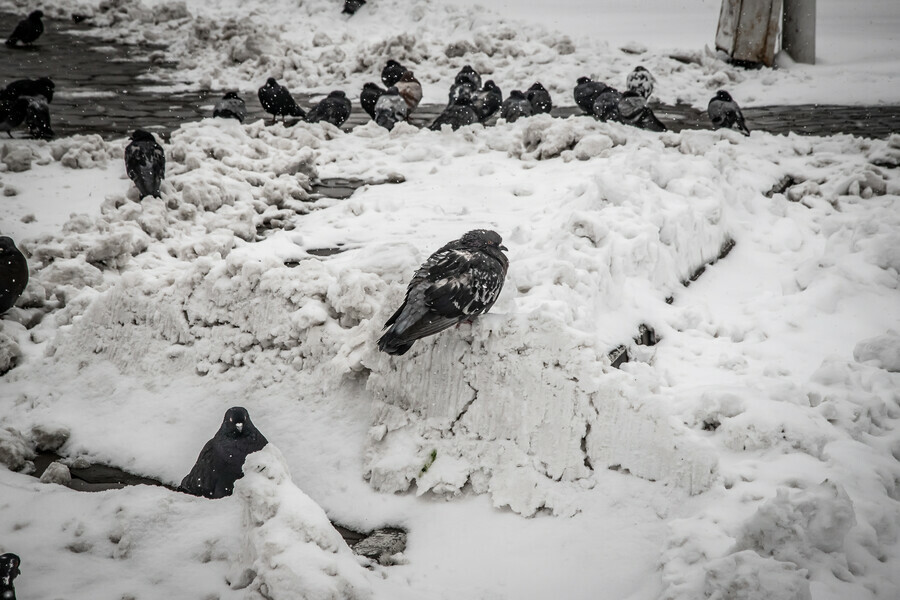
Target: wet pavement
{"points": [[98, 90]]}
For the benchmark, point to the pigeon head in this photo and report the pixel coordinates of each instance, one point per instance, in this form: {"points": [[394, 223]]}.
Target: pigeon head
{"points": [[517, 94], [271, 81], [9, 568], [337, 94], [231, 96], [536, 86], [46, 81], [237, 422], [582, 80], [37, 14], [392, 63], [482, 239], [371, 86], [467, 70], [408, 76], [392, 91], [6, 244], [723, 95], [639, 68], [630, 94], [491, 86], [140, 135]]}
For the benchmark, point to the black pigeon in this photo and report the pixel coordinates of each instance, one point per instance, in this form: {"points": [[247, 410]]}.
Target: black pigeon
{"points": [[458, 114], [42, 86], [145, 163], [351, 6], [539, 98], [606, 105], [28, 30], [9, 570], [586, 91], [231, 106], [470, 75], [392, 72], [725, 113], [221, 461], [369, 96], [487, 101], [640, 81], [12, 114], [13, 275], [458, 282], [334, 108], [516, 105], [277, 100], [391, 108], [37, 118], [633, 110]]}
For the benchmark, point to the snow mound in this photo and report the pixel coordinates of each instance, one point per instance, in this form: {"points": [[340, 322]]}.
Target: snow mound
{"points": [[293, 550], [883, 349]]}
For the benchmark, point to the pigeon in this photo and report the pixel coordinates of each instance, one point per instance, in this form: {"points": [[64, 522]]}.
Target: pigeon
{"points": [[459, 114], [37, 117], [9, 570], [458, 282], [221, 460], [391, 108], [43, 86], [606, 105], [351, 6], [410, 89], [12, 114], [145, 163], [633, 110], [468, 74], [487, 101], [13, 274], [231, 106], [640, 81], [277, 100], [28, 30], [334, 108], [539, 98], [463, 89], [586, 91], [516, 105], [724, 112], [392, 73], [369, 96]]}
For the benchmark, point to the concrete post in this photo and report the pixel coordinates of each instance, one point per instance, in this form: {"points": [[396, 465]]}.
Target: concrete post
{"points": [[798, 30]]}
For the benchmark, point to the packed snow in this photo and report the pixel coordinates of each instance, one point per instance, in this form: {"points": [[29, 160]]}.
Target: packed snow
{"points": [[751, 453]]}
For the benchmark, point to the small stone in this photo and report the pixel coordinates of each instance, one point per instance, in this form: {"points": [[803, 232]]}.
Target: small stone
{"points": [[57, 473], [9, 190], [382, 545], [29, 218]]}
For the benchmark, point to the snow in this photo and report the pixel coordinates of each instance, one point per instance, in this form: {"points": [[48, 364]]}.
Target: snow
{"points": [[751, 453]]}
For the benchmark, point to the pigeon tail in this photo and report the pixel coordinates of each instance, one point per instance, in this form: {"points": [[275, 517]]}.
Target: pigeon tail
{"points": [[393, 344]]}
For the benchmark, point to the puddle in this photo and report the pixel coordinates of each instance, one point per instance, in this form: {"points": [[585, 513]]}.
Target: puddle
{"points": [[379, 545]]}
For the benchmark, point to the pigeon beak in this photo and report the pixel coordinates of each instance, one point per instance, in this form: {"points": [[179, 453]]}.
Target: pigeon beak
{"points": [[504, 248], [239, 426]]}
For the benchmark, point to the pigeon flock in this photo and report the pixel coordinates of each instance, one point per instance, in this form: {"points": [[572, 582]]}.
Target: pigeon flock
{"points": [[457, 283]]}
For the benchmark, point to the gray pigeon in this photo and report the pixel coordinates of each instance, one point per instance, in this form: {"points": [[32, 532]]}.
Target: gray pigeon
{"points": [[334, 108], [13, 274], [9, 570], [586, 91], [37, 118], [633, 110], [391, 108], [28, 30], [221, 461], [231, 106], [725, 113], [539, 98], [458, 282], [640, 81], [515, 106], [458, 114], [145, 163]]}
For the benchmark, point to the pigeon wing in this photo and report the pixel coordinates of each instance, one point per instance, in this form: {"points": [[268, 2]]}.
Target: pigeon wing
{"points": [[201, 481]]}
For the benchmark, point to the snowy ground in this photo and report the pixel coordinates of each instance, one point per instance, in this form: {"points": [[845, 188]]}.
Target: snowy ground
{"points": [[753, 452]]}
